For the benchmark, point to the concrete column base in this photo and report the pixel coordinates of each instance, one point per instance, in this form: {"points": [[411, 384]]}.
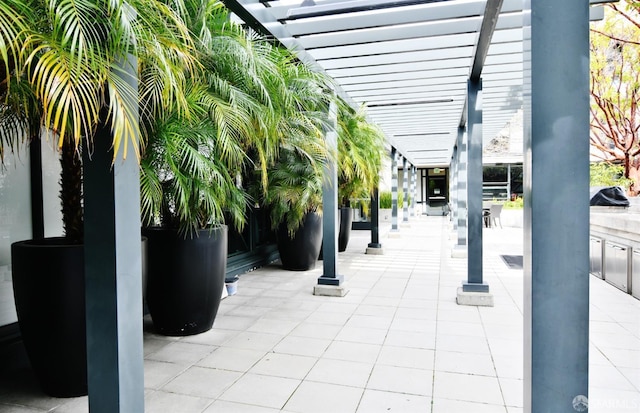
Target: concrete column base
{"points": [[374, 251], [395, 234], [405, 224], [474, 298], [330, 290], [459, 251]]}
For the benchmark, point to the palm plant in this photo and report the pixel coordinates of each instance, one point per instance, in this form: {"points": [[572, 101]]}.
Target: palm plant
{"points": [[62, 73], [360, 154], [294, 180]]}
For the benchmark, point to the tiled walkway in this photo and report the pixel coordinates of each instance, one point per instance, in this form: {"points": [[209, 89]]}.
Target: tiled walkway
{"points": [[397, 342]]}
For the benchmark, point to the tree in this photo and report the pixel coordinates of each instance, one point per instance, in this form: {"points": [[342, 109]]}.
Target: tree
{"points": [[615, 89]]}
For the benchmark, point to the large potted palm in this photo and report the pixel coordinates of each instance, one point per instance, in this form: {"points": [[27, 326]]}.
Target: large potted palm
{"points": [[52, 85], [360, 152], [191, 167]]}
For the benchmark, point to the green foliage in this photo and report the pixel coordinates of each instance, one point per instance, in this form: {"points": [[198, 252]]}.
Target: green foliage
{"points": [[295, 188], [62, 72], [385, 199], [607, 174], [360, 154], [517, 203], [615, 87]]}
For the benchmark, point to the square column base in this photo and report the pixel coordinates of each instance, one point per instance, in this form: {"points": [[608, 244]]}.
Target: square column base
{"points": [[395, 234], [459, 251], [474, 298], [374, 251], [405, 224], [330, 290]]}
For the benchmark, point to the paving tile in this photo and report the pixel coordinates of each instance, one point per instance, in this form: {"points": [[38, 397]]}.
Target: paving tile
{"points": [[214, 337], [509, 367], [612, 401], [362, 335], [413, 324], [231, 322], [221, 406], [467, 363], [365, 321], [633, 375], [312, 397], [254, 341], [265, 391], [457, 406], [375, 401], [474, 345], [401, 380], [284, 365], [411, 339], [231, 358], [273, 326], [159, 373], [342, 350], [302, 346], [316, 330], [202, 382], [512, 391], [407, 357], [347, 373], [181, 353], [609, 377], [162, 402], [339, 319], [464, 387]]}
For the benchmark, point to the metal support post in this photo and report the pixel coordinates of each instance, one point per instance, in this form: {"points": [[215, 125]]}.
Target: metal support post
{"points": [[113, 271], [556, 222], [474, 189], [394, 190], [405, 190], [330, 208], [462, 189]]}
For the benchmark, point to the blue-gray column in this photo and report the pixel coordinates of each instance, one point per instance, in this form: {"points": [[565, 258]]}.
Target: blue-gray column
{"points": [[556, 222], [113, 272], [394, 190], [330, 208], [474, 189], [375, 221], [453, 188], [405, 190], [462, 187], [413, 191]]}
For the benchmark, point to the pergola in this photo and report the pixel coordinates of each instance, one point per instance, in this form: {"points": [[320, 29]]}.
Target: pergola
{"points": [[439, 77]]}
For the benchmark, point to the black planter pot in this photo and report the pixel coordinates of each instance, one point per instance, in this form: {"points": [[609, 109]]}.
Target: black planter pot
{"points": [[185, 280], [345, 220], [48, 286], [300, 253]]}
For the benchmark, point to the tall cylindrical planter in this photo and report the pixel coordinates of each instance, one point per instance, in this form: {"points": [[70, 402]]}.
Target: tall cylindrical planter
{"points": [[300, 253], [48, 286], [185, 279], [345, 221]]}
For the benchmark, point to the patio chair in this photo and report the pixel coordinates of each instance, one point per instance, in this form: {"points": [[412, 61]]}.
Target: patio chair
{"points": [[494, 214]]}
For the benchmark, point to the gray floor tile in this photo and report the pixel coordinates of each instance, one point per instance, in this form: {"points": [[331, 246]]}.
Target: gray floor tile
{"points": [[265, 391], [401, 380], [347, 373], [230, 358], [202, 382], [375, 401], [162, 402], [312, 397], [284, 365]]}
